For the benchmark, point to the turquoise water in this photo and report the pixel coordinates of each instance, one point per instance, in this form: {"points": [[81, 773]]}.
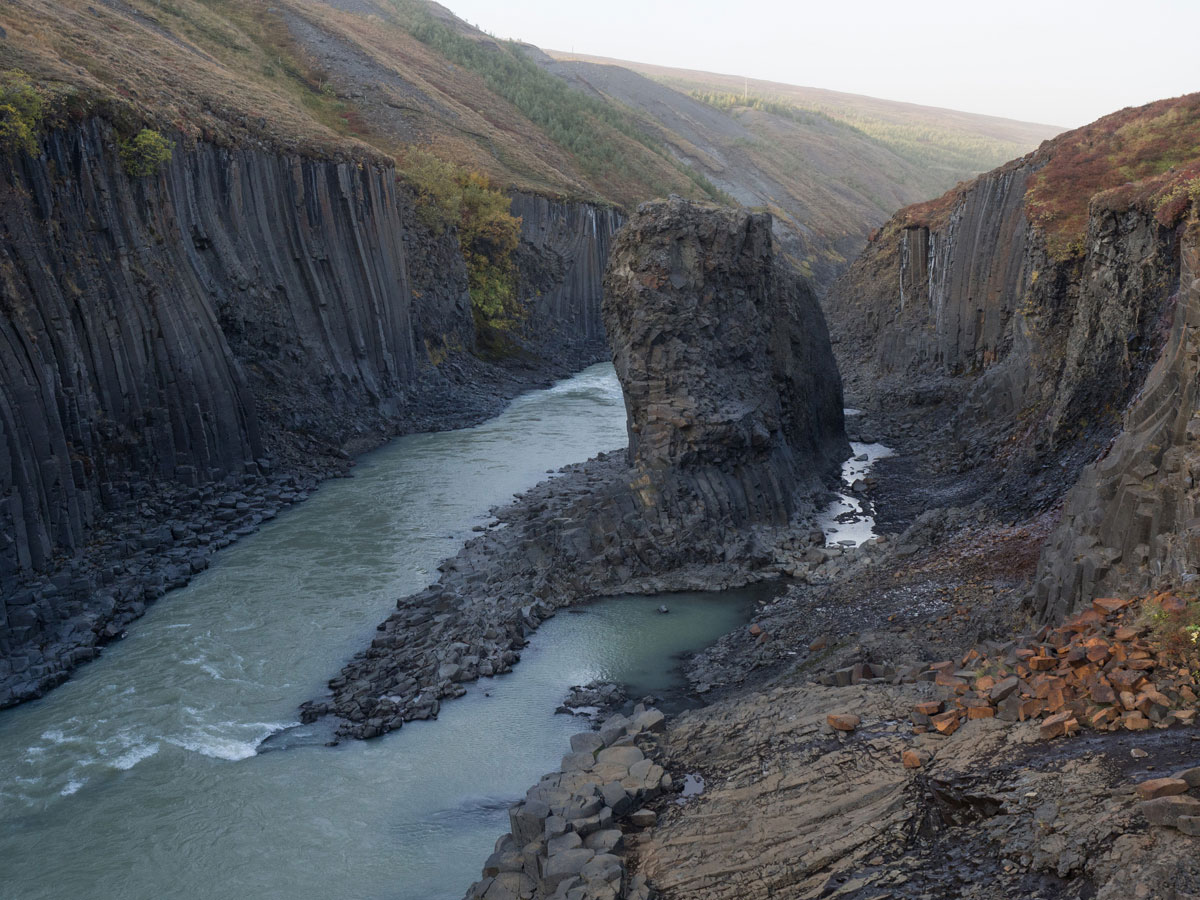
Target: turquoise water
{"points": [[139, 778]]}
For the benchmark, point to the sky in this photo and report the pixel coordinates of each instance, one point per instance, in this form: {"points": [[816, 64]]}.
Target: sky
{"points": [[1057, 62]]}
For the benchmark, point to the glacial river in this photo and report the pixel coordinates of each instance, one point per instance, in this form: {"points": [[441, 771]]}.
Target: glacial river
{"points": [[139, 778]]}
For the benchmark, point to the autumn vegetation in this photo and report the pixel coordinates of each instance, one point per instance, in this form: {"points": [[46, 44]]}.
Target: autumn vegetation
{"points": [[22, 108], [452, 197], [1144, 155]]}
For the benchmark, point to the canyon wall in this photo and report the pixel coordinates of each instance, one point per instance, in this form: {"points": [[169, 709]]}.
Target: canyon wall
{"points": [[958, 314], [564, 249], [175, 348], [1024, 363], [1132, 522]]}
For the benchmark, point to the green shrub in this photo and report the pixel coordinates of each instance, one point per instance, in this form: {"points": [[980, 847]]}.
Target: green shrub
{"points": [[145, 153], [22, 109], [487, 233]]}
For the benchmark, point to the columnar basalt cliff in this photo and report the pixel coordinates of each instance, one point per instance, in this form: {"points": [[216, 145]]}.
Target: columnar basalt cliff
{"points": [[723, 356], [1029, 357], [564, 249], [178, 348], [1023, 342], [1130, 523], [727, 461]]}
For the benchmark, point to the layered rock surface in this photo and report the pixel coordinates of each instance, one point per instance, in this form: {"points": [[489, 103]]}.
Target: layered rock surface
{"points": [[177, 350], [1133, 520], [728, 457], [724, 359], [793, 808]]}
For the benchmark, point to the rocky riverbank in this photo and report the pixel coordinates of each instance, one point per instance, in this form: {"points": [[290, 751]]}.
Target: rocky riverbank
{"points": [[568, 834], [824, 776], [159, 534]]}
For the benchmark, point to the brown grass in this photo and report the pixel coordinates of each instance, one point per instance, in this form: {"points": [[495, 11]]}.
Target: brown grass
{"points": [[236, 71], [1146, 157]]}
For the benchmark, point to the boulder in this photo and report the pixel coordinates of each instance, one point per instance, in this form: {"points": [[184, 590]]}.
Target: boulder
{"points": [[586, 742], [620, 756], [644, 818], [843, 722], [564, 865], [1169, 810], [1161, 787]]}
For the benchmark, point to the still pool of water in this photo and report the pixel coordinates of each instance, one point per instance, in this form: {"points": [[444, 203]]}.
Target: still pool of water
{"points": [[139, 777]]}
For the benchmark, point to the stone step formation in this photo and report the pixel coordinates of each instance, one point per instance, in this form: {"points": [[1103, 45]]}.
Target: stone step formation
{"points": [[568, 834]]}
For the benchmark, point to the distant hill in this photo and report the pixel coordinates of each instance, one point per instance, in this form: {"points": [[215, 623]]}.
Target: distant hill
{"points": [[830, 166], [957, 141], [380, 77]]}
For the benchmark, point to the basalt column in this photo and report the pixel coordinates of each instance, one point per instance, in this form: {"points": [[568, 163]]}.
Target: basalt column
{"points": [[734, 398]]}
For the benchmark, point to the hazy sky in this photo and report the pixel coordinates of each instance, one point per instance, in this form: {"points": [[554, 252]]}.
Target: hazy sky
{"points": [[1060, 62]]}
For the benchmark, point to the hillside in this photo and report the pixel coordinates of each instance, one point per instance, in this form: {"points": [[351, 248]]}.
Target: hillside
{"points": [[944, 142], [339, 78], [829, 166], [375, 78]]}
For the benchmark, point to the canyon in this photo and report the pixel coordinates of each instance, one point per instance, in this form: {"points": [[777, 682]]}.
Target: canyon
{"points": [[192, 350], [371, 220]]}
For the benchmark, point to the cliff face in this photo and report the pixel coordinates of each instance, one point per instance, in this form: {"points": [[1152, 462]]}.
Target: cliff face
{"points": [[237, 315], [564, 249], [1028, 358], [1130, 523], [940, 298], [1025, 363], [725, 363]]}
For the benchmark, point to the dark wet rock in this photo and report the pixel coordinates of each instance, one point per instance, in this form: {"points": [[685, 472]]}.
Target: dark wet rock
{"points": [[594, 698], [724, 359], [587, 742], [178, 372], [1129, 525]]}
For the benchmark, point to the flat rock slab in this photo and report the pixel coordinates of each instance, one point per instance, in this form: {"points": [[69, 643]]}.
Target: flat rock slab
{"points": [[564, 865], [620, 756], [1161, 787], [1167, 811]]}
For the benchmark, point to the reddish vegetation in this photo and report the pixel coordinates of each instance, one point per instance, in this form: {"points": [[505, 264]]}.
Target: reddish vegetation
{"points": [[1160, 142], [932, 213], [1128, 664], [1147, 157]]}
